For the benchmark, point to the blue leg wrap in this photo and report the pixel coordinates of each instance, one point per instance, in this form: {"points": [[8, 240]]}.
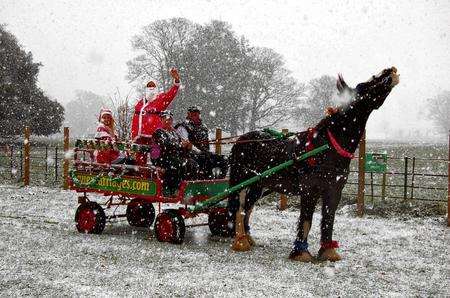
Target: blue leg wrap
{"points": [[300, 246]]}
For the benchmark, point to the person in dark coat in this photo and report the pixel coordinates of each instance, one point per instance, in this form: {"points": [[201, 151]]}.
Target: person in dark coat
{"points": [[174, 154], [193, 129], [195, 132]]}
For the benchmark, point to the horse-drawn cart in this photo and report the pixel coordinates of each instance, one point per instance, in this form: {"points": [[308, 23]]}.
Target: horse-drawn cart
{"points": [[139, 188]]}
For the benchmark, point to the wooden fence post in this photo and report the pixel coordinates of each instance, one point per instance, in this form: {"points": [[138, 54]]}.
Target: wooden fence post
{"points": [[361, 176], [412, 177], [11, 162], [66, 157], [448, 178], [218, 141], [283, 198], [26, 153], [46, 162], [371, 188], [56, 163], [405, 179]]}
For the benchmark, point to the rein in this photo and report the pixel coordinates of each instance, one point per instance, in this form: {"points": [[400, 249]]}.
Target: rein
{"points": [[309, 143], [241, 141]]}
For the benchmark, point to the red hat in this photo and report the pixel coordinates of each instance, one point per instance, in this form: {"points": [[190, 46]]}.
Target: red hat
{"points": [[104, 111], [151, 84]]}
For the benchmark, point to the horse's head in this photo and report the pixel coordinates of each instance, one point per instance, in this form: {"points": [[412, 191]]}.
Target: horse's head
{"points": [[372, 93], [348, 122]]}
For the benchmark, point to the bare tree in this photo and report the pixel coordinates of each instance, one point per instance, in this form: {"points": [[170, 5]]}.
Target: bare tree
{"points": [[161, 47], [236, 86], [82, 113], [319, 95], [218, 72], [439, 111], [123, 110], [272, 92]]}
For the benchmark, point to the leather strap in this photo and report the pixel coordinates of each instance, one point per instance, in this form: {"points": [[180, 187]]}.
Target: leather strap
{"points": [[341, 151]]}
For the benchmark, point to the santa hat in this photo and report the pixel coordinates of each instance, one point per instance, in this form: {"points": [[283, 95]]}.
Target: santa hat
{"points": [[104, 111], [151, 84]]}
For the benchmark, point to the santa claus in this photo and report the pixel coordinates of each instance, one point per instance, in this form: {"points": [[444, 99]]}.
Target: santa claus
{"points": [[146, 117]]}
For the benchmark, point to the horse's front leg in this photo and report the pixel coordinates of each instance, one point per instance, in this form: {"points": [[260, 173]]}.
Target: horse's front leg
{"points": [[300, 250], [241, 241], [331, 199]]}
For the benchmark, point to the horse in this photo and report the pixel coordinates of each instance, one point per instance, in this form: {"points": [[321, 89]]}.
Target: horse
{"points": [[322, 176]]}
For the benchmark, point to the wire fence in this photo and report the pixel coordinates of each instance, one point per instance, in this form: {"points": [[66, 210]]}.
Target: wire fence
{"points": [[406, 178], [46, 164], [423, 177]]}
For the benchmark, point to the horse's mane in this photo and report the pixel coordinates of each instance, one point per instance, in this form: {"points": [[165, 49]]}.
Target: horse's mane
{"points": [[330, 118]]}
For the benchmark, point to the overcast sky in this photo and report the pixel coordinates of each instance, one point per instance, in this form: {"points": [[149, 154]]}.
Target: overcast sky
{"points": [[86, 44]]}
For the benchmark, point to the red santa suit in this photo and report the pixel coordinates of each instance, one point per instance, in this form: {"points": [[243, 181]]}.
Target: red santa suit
{"points": [[106, 134], [146, 117]]}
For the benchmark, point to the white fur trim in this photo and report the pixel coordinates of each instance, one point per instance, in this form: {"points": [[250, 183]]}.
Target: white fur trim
{"points": [[102, 134], [104, 111], [140, 136], [146, 103]]}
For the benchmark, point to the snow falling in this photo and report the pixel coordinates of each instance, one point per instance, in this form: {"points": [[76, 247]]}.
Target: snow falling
{"points": [[283, 69]]}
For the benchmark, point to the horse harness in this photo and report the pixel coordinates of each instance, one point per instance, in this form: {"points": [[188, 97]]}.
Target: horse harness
{"points": [[298, 146]]}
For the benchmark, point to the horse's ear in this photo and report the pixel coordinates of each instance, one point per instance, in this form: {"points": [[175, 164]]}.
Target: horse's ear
{"points": [[341, 84]]}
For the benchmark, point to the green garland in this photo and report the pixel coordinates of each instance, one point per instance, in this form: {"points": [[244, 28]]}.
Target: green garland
{"points": [[103, 145], [276, 134]]}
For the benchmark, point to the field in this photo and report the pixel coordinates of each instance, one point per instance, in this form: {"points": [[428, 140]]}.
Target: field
{"points": [[43, 254]]}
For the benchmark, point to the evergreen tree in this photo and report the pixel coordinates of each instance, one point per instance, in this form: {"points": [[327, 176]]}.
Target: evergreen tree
{"points": [[22, 102]]}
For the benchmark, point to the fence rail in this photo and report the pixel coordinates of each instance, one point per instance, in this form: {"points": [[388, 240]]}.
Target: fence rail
{"points": [[46, 164], [408, 178], [405, 181]]}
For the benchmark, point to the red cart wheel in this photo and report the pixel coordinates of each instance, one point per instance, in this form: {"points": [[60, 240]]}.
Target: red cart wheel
{"points": [[218, 223], [169, 227], [140, 213], [90, 218]]}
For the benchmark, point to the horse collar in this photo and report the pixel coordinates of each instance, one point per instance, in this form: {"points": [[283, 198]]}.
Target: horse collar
{"points": [[341, 151]]}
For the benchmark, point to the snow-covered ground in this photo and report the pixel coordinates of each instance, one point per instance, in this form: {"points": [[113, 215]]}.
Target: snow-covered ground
{"points": [[43, 254]]}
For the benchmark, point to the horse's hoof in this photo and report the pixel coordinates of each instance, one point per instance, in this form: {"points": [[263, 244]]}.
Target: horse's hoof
{"points": [[241, 244], [250, 240], [328, 254], [302, 256]]}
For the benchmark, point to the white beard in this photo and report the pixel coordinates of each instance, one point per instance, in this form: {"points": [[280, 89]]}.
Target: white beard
{"points": [[150, 94]]}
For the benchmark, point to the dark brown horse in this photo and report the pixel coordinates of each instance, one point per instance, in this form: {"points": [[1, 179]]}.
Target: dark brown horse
{"points": [[321, 177]]}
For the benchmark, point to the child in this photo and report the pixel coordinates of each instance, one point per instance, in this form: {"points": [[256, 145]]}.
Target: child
{"points": [[106, 134]]}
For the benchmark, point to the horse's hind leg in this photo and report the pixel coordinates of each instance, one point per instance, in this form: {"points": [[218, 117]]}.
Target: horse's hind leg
{"points": [[300, 248], [253, 194]]}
